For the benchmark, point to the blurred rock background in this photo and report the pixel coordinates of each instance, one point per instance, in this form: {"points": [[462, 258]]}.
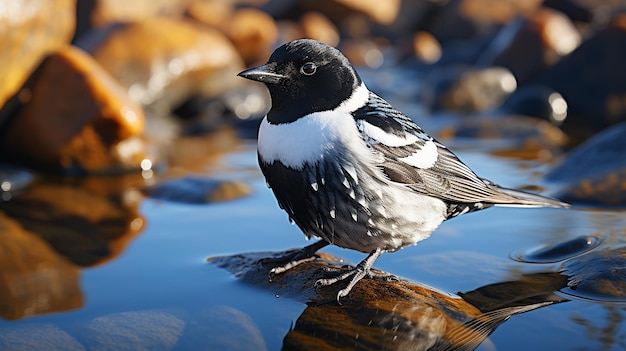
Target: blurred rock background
{"points": [[106, 86]]}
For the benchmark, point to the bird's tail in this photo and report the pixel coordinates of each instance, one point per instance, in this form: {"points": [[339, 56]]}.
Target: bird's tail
{"points": [[525, 199]]}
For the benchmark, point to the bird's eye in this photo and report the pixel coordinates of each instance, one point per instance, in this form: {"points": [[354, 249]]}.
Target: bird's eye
{"points": [[308, 68]]}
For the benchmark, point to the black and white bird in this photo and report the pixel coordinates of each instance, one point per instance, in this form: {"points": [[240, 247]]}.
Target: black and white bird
{"points": [[350, 169]]}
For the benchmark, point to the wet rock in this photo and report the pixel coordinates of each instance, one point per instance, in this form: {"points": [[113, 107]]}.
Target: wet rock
{"points": [[38, 336], [86, 221], [520, 136], [34, 279], [388, 314], [198, 190], [595, 172], [222, 328], [28, 34], [527, 46], [598, 275], [135, 330], [74, 117], [536, 101], [590, 80], [473, 89], [177, 60]]}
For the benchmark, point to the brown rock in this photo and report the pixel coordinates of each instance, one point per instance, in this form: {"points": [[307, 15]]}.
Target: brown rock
{"points": [[426, 47], [34, 279], [499, 11], [393, 313], [171, 61], [383, 12], [28, 34], [253, 32], [316, 25], [215, 13], [74, 116]]}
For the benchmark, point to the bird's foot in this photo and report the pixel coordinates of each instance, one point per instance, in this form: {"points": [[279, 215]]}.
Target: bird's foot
{"points": [[353, 276], [293, 258]]}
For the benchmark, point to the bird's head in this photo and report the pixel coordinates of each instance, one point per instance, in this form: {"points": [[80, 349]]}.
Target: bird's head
{"points": [[305, 76]]}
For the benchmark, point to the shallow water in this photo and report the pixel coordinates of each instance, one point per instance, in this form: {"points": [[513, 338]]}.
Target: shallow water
{"points": [[160, 293]]}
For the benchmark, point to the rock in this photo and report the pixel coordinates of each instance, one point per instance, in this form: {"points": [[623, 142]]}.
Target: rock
{"points": [[527, 46], [101, 13], [253, 33], [474, 89], [34, 279], [74, 117], [177, 60], [426, 47], [591, 80], [198, 190], [222, 328], [598, 275], [134, 330], [521, 137], [497, 11], [595, 172], [315, 25], [86, 221], [536, 101], [389, 314], [28, 34], [38, 336], [214, 13]]}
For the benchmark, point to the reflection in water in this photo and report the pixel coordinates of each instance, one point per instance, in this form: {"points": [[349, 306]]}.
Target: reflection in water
{"points": [[395, 314], [54, 227]]}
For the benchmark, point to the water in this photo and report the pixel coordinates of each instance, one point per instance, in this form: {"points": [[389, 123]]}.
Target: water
{"points": [[101, 266]]}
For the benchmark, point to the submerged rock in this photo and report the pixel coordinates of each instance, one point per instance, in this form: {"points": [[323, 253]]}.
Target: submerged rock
{"points": [[198, 190], [598, 275]]}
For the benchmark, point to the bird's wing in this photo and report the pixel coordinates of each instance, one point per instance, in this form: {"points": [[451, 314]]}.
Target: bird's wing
{"points": [[414, 158]]}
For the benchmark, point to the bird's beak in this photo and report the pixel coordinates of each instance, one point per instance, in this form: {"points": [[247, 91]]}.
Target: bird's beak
{"points": [[264, 73]]}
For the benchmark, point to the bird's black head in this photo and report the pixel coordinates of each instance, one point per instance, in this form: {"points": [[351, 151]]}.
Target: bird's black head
{"points": [[304, 76]]}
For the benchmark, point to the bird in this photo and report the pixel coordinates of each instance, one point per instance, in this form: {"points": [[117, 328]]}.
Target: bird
{"points": [[352, 170]]}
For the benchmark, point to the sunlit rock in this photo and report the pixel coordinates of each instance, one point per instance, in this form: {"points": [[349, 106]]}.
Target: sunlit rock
{"points": [[74, 117], [595, 172], [162, 63], [536, 101], [315, 25], [34, 278], [28, 34], [426, 47], [501, 11], [591, 80], [253, 33]]}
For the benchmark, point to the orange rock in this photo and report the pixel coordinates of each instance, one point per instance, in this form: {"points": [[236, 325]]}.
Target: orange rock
{"points": [[215, 13], [383, 12], [29, 33], [105, 12], [498, 11], [170, 61], [34, 279], [75, 116], [253, 32], [557, 32], [317, 26], [426, 47]]}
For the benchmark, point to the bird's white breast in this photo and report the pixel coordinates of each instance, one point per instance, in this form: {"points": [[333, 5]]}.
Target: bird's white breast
{"points": [[309, 138]]}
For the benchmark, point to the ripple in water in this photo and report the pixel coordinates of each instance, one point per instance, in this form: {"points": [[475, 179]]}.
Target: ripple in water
{"points": [[559, 251]]}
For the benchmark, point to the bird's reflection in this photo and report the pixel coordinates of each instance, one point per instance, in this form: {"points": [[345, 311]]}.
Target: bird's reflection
{"points": [[51, 229], [396, 314]]}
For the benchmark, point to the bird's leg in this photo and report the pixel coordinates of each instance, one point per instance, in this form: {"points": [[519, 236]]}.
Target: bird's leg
{"points": [[357, 273], [294, 258]]}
